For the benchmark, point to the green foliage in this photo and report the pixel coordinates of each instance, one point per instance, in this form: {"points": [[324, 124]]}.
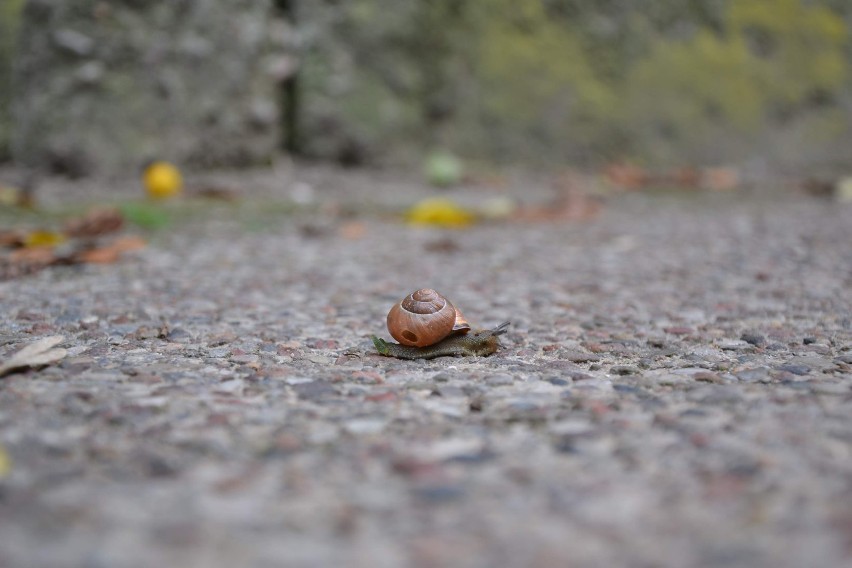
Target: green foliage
{"points": [[536, 78], [771, 60], [799, 47], [146, 215]]}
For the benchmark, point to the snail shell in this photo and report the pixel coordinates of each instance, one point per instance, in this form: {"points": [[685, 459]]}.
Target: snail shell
{"points": [[423, 318]]}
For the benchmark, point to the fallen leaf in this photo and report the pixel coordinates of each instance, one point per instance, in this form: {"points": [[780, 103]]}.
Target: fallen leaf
{"points": [[720, 179], [843, 190], [439, 212], [129, 243], [109, 253], [43, 239], [95, 223], [11, 238], [353, 230], [566, 208], [626, 176], [36, 256], [36, 354], [5, 463]]}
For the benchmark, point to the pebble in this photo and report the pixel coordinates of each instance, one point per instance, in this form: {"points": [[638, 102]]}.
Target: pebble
{"points": [[365, 425], [245, 359], [450, 391], [179, 335], [578, 356], [232, 387], [796, 369], [754, 339], [436, 494], [755, 375], [715, 394], [499, 380], [733, 345], [315, 390], [831, 388]]}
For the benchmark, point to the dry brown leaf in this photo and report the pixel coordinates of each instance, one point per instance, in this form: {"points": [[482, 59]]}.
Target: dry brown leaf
{"points": [[566, 208], [353, 230], [11, 238], [34, 256], [95, 223], [36, 354], [111, 252]]}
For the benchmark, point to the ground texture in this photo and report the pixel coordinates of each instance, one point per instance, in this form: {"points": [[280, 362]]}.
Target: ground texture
{"points": [[675, 390]]}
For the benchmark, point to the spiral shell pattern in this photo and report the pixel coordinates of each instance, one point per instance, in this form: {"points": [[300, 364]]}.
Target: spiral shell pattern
{"points": [[422, 318]]}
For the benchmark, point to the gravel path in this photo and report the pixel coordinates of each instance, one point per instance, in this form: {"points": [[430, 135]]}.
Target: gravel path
{"points": [[675, 390]]}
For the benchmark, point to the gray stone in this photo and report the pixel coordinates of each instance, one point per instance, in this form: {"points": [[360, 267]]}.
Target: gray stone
{"points": [[754, 375], [149, 81], [754, 338], [499, 380]]}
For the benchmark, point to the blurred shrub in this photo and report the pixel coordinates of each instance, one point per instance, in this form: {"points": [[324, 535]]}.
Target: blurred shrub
{"points": [[712, 95], [581, 80]]}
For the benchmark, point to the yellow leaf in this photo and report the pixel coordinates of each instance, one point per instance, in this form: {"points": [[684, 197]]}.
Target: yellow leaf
{"points": [[43, 239], [439, 212], [5, 463]]}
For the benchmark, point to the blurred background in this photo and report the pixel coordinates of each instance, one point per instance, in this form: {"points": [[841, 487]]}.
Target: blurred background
{"points": [[753, 85]]}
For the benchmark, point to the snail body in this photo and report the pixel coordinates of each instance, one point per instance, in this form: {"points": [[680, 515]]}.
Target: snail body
{"points": [[428, 325]]}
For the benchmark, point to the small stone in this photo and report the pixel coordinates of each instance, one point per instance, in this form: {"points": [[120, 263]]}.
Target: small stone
{"points": [[499, 380], [449, 391], [796, 369], [624, 370], [558, 381], [707, 377], [578, 356], [831, 388], [715, 394], [756, 375], [179, 335], [365, 425], [679, 330], [316, 343], [315, 390], [218, 352], [733, 344], [245, 359], [439, 493], [753, 338], [232, 387]]}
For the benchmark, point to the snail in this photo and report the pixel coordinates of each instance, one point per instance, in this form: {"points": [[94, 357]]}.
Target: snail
{"points": [[428, 325]]}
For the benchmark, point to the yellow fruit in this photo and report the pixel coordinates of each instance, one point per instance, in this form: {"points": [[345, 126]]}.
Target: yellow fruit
{"points": [[162, 180]]}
